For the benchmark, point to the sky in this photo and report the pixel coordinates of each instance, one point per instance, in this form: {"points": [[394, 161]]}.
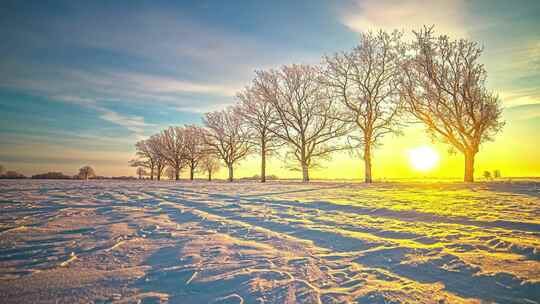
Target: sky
{"points": [[82, 81]]}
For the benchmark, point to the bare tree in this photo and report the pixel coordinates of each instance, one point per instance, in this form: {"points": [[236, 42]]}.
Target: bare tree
{"points": [[227, 137], [170, 173], [154, 145], [146, 157], [140, 163], [305, 115], [209, 164], [141, 172], [86, 172], [444, 87], [194, 149], [259, 115], [172, 144], [365, 82]]}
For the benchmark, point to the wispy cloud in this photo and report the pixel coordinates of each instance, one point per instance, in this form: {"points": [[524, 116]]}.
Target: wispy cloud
{"points": [[167, 85], [133, 123], [174, 61], [85, 102], [517, 79], [203, 107], [523, 113], [112, 84], [449, 16]]}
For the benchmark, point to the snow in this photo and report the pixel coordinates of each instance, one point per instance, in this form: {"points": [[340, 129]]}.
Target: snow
{"points": [[280, 242]]}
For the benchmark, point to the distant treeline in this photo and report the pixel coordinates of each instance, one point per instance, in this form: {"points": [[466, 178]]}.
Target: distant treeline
{"points": [[12, 175], [59, 175], [85, 172], [51, 175]]}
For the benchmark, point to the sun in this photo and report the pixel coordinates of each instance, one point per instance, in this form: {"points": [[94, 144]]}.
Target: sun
{"points": [[423, 158]]}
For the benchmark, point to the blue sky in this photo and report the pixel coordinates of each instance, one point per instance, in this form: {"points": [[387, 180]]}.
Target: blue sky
{"points": [[81, 81]]}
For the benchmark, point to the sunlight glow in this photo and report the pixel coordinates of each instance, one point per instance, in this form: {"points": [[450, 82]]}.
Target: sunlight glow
{"points": [[423, 158]]}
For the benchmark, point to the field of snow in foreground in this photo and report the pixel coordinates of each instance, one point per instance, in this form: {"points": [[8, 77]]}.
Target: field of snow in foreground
{"points": [[283, 242]]}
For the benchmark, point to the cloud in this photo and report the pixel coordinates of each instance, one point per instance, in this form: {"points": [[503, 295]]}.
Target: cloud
{"points": [[171, 62], [159, 84], [133, 123], [65, 138], [136, 124], [515, 72], [448, 16], [108, 83], [86, 102], [517, 97], [204, 107], [84, 87]]}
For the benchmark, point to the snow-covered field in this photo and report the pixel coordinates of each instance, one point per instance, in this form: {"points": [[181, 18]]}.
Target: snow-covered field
{"points": [[283, 242]]}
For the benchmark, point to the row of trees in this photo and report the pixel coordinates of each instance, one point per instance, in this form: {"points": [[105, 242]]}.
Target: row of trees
{"points": [[10, 174], [174, 149], [349, 102], [51, 175], [85, 172]]}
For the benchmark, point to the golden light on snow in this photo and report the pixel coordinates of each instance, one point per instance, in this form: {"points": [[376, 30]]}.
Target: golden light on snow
{"points": [[423, 158]]}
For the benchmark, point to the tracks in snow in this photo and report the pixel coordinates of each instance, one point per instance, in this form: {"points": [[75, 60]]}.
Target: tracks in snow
{"points": [[347, 241], [234, 244]]}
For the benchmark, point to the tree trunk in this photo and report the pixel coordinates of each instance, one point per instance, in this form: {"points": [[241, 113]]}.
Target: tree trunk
{"points": [[367, 163], [209, 175], [230, 172], [152, 173], [191, 172], [263, 161], [469, 167], [177, 174], [158, 172], [305, 172]]}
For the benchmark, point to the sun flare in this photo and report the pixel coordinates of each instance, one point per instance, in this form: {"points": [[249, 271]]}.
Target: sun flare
{"points": [[423, 158]]}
